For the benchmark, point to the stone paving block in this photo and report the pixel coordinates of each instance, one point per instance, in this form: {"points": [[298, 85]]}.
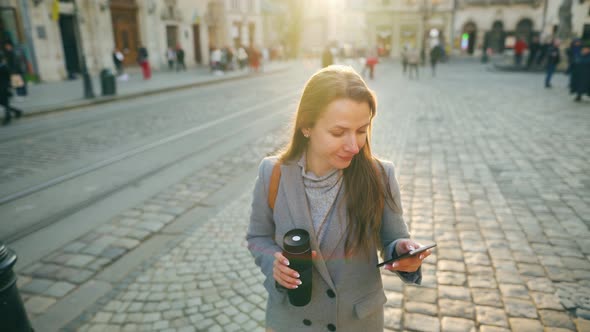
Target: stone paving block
{"points": [[418, 322], [477, 258], [531, 270], [453, 324], [45, 271], [479, 269], [38, 304], [525, 325], [454, 293], [79, 260], [552, 318], [559, 274], [491, 316], [59, 289], [540, 285], [482, 281], [37, 286], [520, 308], [508, 277], [421, 308], [451, 278], [546, 301], [420, 294], [448, 265], [456, 308], [392, 318], [58, 257], [394, 299], [516, 291]]}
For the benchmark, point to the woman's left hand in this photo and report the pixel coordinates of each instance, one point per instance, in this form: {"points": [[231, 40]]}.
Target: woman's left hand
{"points": [[410, 264]]}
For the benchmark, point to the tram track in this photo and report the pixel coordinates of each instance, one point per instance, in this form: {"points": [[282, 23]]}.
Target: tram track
{"points": [[249, 113]]}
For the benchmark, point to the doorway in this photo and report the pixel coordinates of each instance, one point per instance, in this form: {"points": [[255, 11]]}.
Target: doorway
{"points": [[70, 45], [126, 36], [172, 36]]}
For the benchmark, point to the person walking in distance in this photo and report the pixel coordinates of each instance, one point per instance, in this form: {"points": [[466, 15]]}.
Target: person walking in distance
{"points": [[435, 56], [180, 58], [534, 51], [143, 60], [553, 59], [328, 184], [404, 55], [170, 57], [413, 61], [519, 47], [6, 91], [580, 73]]}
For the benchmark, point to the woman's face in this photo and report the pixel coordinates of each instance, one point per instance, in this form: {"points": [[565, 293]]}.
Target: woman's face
{"points": [[338, 135]]}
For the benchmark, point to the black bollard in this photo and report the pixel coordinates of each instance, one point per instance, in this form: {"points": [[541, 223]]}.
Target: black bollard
{"points": [[13, 316]]}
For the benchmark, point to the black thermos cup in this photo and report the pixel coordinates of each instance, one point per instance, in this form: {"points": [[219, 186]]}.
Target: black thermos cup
{"points": [[297, 250]]}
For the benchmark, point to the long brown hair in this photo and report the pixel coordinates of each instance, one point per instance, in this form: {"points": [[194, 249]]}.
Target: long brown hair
{"points": [[366, 191]]}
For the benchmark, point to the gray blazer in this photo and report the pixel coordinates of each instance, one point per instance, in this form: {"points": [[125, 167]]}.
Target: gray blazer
{"points": [[347, 292]]}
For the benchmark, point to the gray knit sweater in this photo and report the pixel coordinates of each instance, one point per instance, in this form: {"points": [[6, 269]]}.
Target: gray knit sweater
{"points": [[321, 192]]}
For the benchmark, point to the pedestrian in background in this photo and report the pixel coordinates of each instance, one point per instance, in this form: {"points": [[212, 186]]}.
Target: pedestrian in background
{"points": [[170, 57], [17, 63], [216, 66], [118, 58], [572, 52], [580, 73], [327, 57], [370, 63], [519, 47], [332, 186], [143, 60], [413, 61], [180, 58], [6, 91], [435, 56], [553, 58], [254, 58], [242, 57], [534, 51], [404, 56]]}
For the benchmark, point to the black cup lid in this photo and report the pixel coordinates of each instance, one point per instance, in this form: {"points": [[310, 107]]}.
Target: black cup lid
{"points": [[296, 241]]}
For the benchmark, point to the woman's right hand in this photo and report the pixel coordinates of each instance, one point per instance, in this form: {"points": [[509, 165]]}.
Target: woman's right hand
{"points": [[283, 274]]}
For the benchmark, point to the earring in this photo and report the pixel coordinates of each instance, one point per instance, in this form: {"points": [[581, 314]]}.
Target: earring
{"points": [[306, 135]]}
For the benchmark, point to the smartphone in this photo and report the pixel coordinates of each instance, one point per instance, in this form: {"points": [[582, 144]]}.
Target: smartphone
{"points": [[408, 254]]}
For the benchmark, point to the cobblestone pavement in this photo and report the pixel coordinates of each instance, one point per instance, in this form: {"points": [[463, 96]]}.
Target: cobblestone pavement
{"points": [[493, 168]]}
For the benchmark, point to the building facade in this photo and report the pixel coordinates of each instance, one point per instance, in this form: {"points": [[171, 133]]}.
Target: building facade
{"points": [[60, 37]]}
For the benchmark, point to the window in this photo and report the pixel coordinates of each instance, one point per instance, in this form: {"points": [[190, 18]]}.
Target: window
{"points": [[250, 5], [235, 4]]}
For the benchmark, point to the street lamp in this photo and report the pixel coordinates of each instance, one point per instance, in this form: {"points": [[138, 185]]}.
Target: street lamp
{"points": [[88, 91]]}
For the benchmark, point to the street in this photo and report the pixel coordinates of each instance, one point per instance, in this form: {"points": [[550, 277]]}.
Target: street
{"points": [[131, 215]]}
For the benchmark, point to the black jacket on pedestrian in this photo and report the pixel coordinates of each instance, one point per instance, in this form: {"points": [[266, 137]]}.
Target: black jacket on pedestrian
{"points": [[580, 75], [5, 92], [553, 56]]}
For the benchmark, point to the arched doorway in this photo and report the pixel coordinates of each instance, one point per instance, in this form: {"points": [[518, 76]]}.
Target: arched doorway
{"points": [[496, 37], [126, 36], [524, 30], [468, 37]]}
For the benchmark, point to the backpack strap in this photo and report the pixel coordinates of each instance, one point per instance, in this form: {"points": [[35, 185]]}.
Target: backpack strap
{"points": [[273, 188]]}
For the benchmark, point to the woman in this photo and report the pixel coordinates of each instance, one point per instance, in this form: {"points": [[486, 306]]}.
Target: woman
{"points": [[348, 201]]}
